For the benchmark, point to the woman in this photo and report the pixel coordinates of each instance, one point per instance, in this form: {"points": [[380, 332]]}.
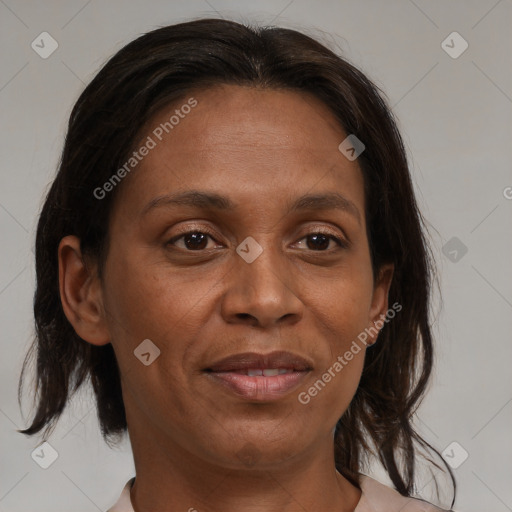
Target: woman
{"points": [[231, 230]]}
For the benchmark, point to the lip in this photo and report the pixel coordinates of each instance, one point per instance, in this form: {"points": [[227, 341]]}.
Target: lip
{"points": [[231, 373], [247, 360]]}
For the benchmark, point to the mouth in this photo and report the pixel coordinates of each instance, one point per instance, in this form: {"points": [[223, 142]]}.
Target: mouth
{"points": [[259, 377]]}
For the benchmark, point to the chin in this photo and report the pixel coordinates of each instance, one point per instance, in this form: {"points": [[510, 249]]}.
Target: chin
{"points": [[256, 454]]}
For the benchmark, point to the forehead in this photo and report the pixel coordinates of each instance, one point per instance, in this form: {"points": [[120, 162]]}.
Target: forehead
{"points": [[247, 140], [279, 119]]}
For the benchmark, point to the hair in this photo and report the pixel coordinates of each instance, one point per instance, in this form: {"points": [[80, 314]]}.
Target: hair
{"points": [[161, 67]]}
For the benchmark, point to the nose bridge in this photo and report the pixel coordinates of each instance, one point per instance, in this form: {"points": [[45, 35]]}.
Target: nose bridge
{"points": [[261, 286], [266, 272]]}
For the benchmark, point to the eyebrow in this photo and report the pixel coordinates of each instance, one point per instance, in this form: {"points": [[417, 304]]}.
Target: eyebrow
{"points": [[212, 200]]}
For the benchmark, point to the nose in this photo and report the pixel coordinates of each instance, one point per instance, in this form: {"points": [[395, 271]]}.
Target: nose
{"points": [[261, 293]]}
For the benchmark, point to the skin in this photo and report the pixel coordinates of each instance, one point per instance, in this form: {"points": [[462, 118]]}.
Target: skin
{"points": [[195, 444]]}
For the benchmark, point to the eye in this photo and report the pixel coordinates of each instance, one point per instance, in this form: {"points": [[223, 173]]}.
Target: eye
{"points": [[197, 240], [192, 240], [319, 241]]}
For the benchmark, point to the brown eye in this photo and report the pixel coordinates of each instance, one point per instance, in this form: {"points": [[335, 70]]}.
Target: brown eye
{"points": [[192, 240], [319, 241]]}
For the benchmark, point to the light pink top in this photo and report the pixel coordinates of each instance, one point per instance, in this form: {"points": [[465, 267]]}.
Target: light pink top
{"points": [[375, 497]]}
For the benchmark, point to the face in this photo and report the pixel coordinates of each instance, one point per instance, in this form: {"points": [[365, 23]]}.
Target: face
{"points": [[247, 274]]}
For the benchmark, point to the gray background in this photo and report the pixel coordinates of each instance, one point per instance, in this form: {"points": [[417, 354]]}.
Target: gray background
{"points": [[455, 115]]}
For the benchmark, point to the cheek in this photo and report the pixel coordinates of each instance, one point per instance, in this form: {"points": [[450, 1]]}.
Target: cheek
{"points": [[150, 297], [343, 304], [340, 310], [146, 302], [329, 394], [147, 299]]}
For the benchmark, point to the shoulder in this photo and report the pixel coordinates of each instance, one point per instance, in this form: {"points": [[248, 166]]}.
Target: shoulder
{"points": [[124, 504], [377, 497]]}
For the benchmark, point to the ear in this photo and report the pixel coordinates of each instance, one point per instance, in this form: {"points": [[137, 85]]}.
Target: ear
{"points": [[81, 294], [379, 305]]}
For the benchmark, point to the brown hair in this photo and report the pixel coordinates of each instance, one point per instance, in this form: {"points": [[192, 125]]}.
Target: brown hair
{"points": [[159, 68]]}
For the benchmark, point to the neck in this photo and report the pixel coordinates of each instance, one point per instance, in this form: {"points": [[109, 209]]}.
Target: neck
{"points": [[171, 478]]}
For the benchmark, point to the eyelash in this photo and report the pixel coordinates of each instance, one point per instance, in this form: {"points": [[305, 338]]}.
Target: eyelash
{"points": [[341, 243]]}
